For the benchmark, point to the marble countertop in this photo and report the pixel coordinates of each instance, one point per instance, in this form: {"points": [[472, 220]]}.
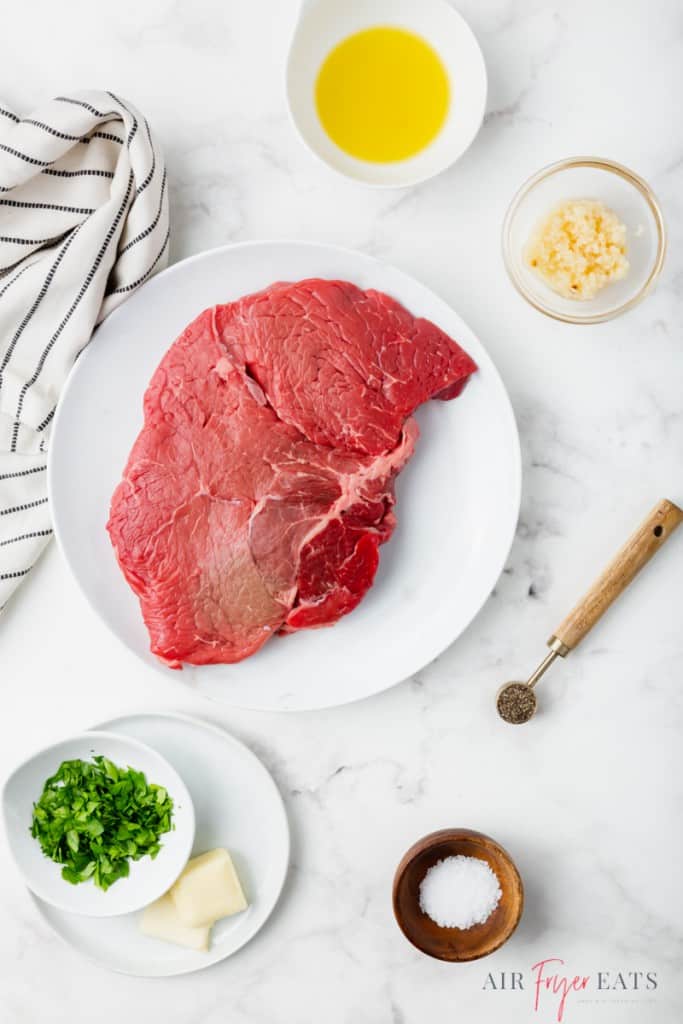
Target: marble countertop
{"points": [[588, 798]]}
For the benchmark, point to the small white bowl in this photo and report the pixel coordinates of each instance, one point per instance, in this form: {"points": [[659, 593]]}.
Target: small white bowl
{"points": [[324, 23], [624, 192], [148, 879]]}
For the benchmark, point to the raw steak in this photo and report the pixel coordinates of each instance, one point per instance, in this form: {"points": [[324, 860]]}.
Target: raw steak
{"points": [[261, 485]]}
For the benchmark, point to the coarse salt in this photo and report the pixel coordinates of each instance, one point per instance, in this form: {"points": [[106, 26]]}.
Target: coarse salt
{"points": [[459, 892]]}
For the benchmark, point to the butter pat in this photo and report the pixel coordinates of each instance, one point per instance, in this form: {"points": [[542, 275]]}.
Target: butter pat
{"points": [[207, 890], [160, 921]]}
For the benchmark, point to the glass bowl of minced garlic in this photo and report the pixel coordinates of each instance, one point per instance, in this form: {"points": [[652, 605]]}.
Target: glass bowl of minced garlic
{"points": [[584, 240]]}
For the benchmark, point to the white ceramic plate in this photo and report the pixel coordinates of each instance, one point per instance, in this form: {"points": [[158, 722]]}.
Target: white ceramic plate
{"points": [[457, 500], [324, 23], [148, 879], [238, 806]]}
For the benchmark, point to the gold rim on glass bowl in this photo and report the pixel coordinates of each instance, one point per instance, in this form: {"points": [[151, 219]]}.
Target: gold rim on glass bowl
{"points": [[600, 164]]}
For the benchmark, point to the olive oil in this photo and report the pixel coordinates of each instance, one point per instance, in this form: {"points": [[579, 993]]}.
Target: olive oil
{"points": [[382, 94]]}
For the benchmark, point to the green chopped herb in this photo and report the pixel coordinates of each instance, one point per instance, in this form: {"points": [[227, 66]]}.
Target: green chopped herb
{"points": [[94, 817]]}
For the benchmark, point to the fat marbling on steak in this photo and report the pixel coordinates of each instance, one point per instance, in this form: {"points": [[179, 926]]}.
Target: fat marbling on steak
{"points": [[261, 485]]}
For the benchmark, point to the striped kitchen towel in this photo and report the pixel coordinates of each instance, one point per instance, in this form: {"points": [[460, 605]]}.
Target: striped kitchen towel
{"points": [[83, 223]]}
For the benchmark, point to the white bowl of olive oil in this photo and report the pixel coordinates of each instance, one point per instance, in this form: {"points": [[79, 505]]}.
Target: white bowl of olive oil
{"points": [[386, 92]]}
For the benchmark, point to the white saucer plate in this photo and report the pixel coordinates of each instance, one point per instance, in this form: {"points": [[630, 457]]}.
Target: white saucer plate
{"points": [[238, 806]]}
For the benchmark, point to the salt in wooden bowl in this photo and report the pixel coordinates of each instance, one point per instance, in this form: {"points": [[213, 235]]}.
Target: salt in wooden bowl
{"points": [[456, 944]]}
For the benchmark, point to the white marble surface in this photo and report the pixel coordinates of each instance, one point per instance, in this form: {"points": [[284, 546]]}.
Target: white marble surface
{"points": [[589, 797]]}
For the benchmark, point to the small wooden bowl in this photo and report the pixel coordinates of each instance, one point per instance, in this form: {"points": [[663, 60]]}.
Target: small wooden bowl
{"points": [[456, 944]]}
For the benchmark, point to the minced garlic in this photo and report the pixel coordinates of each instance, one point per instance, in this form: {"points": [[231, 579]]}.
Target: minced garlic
{"points": [[579, 248]]}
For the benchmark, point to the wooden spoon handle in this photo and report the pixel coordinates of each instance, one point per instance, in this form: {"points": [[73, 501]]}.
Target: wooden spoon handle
{"points": [[626, 564]]}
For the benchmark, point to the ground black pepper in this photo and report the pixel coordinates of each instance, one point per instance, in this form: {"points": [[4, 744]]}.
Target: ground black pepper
{"points": [[516, 703]]}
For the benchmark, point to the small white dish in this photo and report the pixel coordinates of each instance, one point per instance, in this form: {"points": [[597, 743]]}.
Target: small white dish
{"points": [[457, 499], [324, 23], [238, 806], [148, 879], [620, 189]]}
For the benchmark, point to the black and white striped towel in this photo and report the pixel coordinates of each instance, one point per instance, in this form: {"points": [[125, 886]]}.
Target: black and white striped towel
{"points": [[83, 223]]}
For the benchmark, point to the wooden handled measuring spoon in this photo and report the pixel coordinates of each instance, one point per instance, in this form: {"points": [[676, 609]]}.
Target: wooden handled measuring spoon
{"points": [[516, 702]]}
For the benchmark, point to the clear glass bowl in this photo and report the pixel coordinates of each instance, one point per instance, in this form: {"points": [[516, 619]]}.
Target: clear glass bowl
{"points": [[621, 190]]}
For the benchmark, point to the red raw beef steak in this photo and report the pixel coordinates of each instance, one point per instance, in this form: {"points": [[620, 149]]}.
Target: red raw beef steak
{"points": [[261, 485]]}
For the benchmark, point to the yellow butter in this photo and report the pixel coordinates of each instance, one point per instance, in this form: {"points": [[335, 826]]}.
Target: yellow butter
{"points": [[160, 921], [208, 889], [382, 94]]}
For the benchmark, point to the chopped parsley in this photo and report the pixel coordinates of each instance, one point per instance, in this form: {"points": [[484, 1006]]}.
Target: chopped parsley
{"points": [[94, 818]]}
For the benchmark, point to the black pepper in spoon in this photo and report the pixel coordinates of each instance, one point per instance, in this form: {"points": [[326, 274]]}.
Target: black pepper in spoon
{"points": [[515, 701]]}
